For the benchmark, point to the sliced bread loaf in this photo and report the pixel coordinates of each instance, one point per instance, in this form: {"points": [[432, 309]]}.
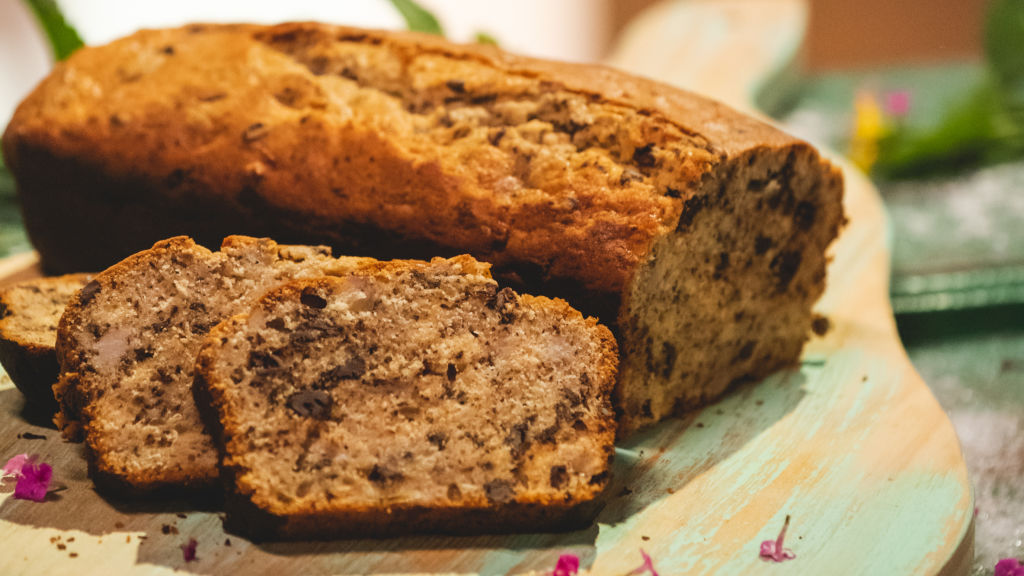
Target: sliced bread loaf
{"points": [[701, 233], [411, 397], [29, 313], [127, 349]]}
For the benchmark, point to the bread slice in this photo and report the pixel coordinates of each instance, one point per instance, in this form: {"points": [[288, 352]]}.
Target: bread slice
{"points": [[127, 349], [29, 313], [414, 397]]}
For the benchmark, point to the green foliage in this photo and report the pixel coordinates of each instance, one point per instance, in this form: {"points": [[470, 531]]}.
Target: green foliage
{"points": [[64, 39], [1004, 41], [485, 38], [418, 18], [6, 182]]}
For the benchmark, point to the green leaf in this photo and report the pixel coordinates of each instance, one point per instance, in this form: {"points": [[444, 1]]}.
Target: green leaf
{"points": [[970, 132], [6, 184], [1004, 41], [6, 180], [417, 18], [485, 38], [64, 39]]}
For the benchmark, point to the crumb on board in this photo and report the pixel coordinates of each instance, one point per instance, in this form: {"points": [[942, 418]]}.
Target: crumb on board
{"points": [[821, 325]]}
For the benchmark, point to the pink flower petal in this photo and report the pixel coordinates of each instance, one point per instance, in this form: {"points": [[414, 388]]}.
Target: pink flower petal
{"points": [[568, 565], [33, 482], [1009, 567], [897, 103], [14, 465], [188, 551], [648, 565], [773, 549]]}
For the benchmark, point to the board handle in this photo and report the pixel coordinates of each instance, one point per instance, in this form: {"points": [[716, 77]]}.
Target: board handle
{"points": [[742, 52]]}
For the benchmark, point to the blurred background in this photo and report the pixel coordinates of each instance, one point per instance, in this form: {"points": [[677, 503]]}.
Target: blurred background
{"points": [[927, 96], [842, 34]]}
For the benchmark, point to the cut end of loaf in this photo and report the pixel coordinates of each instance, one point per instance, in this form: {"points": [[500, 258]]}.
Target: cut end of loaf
{"points": [[727, 297], [417, 398]]}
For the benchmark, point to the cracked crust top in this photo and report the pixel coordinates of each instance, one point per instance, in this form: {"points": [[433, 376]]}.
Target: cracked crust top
{"points": [[303, 130]]}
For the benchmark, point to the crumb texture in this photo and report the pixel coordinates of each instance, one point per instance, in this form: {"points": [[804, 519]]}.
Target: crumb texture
{"points": [[31, 310], [29, 314], [726, 298], [419, 388], [128, 345]]}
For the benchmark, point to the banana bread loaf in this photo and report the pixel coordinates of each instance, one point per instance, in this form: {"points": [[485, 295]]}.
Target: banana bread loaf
{"points": [[127, 347], [29, 313], [416, 397], [698, 232]]}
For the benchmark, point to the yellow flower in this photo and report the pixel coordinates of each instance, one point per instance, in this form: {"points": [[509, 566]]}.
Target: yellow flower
{"points": [[869, 127]]}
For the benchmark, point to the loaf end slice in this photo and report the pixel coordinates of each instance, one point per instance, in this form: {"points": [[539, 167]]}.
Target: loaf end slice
{"points": [[416, 398], [726, 296], [127, 347], [29, 314]]}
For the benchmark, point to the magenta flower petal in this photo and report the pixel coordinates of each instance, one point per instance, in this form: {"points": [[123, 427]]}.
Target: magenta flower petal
{"points": [[568, 565], [33, 482], [188, 551], [1009, 567], [773, 549], [647, 566]]}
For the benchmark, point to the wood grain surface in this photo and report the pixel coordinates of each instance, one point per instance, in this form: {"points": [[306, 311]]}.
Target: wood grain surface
{"points": [[851, 445]]}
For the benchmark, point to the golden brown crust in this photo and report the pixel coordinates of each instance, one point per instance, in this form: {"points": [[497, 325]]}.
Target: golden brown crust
{"points": [[130, 132]]}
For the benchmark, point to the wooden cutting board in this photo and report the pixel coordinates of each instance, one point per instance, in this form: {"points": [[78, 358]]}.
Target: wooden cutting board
{"points": [[851, 445]]}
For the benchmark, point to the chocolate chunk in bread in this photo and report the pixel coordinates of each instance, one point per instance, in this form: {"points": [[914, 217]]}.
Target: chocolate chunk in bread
{"points": [[29, 313], [127, 347], [614, 192], [405, 399]]}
